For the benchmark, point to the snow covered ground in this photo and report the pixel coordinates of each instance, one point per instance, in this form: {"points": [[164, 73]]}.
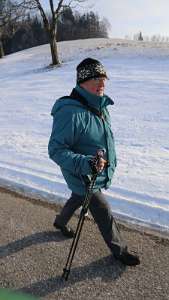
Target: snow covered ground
{"points": [[139, 85]]}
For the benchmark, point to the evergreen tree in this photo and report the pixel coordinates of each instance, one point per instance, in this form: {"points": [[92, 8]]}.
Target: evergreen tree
{"points": [[140, 37], [71, 25]]}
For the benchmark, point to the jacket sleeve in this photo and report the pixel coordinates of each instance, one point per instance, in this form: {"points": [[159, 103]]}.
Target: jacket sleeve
{"points": [[66, 130]]}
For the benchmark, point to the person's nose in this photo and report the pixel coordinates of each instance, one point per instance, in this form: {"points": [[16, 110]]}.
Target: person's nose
{"points": [[101, 83]]}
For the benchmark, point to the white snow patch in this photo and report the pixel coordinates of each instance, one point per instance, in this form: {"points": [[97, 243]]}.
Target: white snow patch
{"points": [[139, 85]]}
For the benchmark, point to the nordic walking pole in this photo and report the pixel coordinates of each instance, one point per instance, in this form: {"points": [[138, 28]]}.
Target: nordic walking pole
{"points": [[66, 270]]}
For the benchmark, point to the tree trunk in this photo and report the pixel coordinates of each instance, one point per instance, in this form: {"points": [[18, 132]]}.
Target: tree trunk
{"points": [[1, 49], [53, 47]]}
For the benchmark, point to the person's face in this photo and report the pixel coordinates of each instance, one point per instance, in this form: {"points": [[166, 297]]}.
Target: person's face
{"points": [[95, 86]]}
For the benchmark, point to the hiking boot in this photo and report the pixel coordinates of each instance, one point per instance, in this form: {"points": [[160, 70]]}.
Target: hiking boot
{"points": [[65, 230], [128, 259]]}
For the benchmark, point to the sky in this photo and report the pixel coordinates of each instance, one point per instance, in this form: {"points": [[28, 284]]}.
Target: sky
{"points": [[128, 17]]}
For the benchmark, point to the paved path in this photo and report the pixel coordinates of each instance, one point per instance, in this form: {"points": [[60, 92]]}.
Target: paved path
{"points": [[33, 254]]}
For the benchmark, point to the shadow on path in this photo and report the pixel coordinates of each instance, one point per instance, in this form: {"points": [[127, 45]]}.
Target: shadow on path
{"points": [[34, 239], [102, 268]]}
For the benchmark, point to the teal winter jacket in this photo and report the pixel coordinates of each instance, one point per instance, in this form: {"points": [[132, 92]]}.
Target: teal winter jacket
{"points": [[76, 136]]}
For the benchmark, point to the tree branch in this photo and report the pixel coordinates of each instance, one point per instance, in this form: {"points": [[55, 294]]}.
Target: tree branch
{"points": [[11, 13], [57, 11], [44, 17], [52, 8]]}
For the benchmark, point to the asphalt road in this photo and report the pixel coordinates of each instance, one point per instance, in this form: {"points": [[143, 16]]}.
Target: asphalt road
{"points": [[33, 254]]}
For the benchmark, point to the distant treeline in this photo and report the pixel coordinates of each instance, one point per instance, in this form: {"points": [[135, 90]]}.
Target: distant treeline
{"points": [[70, 26]]}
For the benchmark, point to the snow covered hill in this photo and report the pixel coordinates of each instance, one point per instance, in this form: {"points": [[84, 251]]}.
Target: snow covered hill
{"points": [[139, 85]]}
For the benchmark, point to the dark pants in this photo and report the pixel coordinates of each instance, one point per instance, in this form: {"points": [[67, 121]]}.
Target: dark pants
{"points": [[102, 215]]}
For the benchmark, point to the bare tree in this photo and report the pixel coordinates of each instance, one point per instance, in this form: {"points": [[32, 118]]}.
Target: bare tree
{"points": [[2, 25], [50, 20], [10, 13]]}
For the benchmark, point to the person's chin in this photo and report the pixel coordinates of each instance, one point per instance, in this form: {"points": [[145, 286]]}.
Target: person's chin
{"points": [[100, 94]]}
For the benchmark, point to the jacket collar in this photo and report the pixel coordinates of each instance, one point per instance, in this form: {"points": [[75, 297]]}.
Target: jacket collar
{"points": [[98, 102]]}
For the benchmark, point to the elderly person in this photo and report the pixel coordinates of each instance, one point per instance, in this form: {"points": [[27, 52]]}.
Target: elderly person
{"points": [[81, 126]]}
